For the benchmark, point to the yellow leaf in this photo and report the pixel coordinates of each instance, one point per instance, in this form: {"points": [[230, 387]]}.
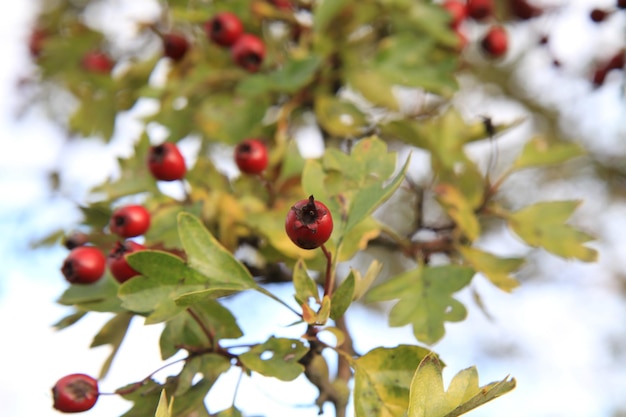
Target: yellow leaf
{"points": [[459, 209]]}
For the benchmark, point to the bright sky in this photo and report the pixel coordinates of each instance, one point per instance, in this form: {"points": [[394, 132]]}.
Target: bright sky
{"points": [[564, 339]]}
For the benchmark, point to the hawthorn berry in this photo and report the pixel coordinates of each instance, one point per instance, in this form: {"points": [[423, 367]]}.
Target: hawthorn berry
{"points": [[75, 393], [224, 28], [166, 163], [282, 4], [480, 9], [130, 221], [251, 156], [117, 262], [621, 4], [84, 265], [309, 223], [75, 240], [523, 10], [496, 42], [97, 62], [457, 12], [248, 52], [599, 15], [175, 46]]}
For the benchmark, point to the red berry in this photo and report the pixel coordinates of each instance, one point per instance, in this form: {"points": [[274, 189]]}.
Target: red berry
{"points": [[84, 265], [617, 61], [496, 42], [36, 41], [97, 62], [117, 262], [480, 9], [251, 156], [599, 76], [75, 393], [130, 221], [224, 28], [524, 10], [175, 46], [621, 4], [248, 52], [598, 15], [166, 163], [75, 240], [309, 223], [282, 4], [457, 12]]}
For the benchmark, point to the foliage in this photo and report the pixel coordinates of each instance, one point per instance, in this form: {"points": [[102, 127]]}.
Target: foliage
{"points": [[341, 63]]}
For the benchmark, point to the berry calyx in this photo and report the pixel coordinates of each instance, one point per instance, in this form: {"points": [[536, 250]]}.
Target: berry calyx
{"points": [[97, 62], [496, 42], [251, 156], [309, 223], [248, 52], [75, 393], [75, 240], [166, 163], [84, 265], [224, 28], [480, 9], [457, 12], [117, 262], [130, 221], [175, 46]]}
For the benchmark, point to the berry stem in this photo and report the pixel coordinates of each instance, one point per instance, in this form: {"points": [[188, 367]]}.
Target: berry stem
{"points": [[329, 283], [269, 186]]}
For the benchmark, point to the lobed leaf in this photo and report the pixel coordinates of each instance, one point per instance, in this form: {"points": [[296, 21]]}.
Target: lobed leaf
{"points": [[277, 357], [539, 151], [498, 270]]}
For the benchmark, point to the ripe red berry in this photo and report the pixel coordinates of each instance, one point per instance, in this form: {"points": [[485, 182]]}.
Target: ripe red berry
{"points": [[166, 163], [130, 221], [621, 4], [309, 223], [457, 11], [224, 28], [84, 265], [175, 46], [97, 62], [523, 10], [75, 393], [248, 52], [496, 42], [251, 156], [599, 15], [480, 9], [117, 262]]}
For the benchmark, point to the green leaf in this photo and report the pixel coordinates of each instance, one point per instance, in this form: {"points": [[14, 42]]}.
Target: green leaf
{"points": [[459, 209], [210, 365], [163, 277], [540, 151], [342, 297], [339, 117], [374, 87], [163, 223], [424, 299], [230, 412], [325, 12], [163, 408], [112, 333], [304, 285], [144, 397], [69, 320], [207, 256], [363, 283], [100, 296], [382, 380], [428, 398], [544, 225], [291, 77], [277, 357], [497, 270]]}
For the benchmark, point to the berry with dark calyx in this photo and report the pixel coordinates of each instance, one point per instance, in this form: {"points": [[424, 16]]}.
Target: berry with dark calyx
{"points": [[166, 163], [495, 43], [480, 9], [97, 62], [251, 156], [75, 240], [117, 262], [175, 46], [523, 10], [599, 15], [75, 393], [309, 223], [248, 52], [457, 12], [84, 265], [130, 221], [224, 28]]}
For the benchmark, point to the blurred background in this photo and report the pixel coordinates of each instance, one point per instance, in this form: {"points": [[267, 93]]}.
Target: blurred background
{"points": [[562, 334]]}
